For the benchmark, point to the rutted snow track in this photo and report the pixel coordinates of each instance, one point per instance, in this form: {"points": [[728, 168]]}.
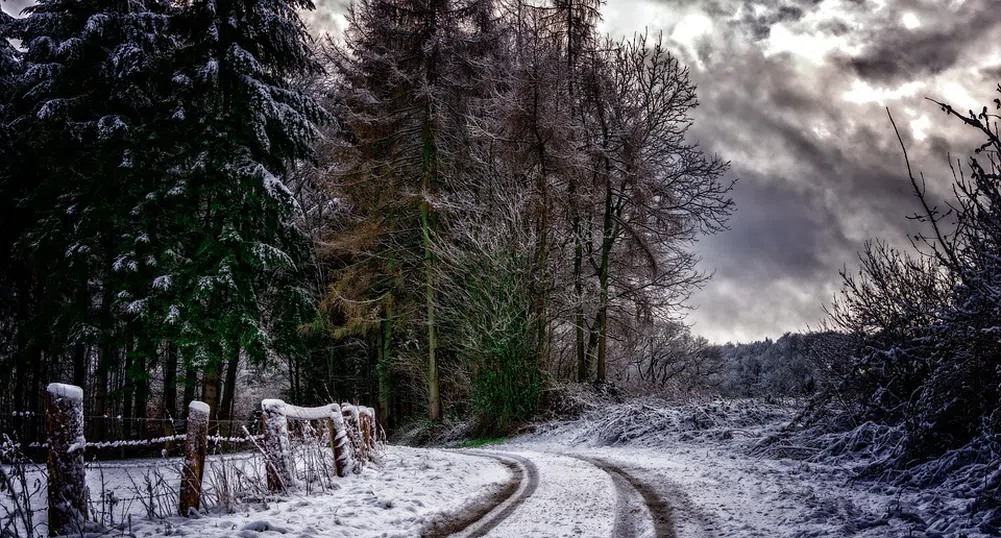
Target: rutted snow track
{"points": [[577, 496], [527, 481], [630, 514]]}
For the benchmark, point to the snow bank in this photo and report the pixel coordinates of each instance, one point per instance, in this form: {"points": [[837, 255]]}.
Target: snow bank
{"points": [[706, 459], [409, 491], [653, 423]]}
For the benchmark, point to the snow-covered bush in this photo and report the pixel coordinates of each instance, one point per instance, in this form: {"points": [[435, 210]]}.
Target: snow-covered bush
{"points": [[20, 494], [653, 422], [921, 392]]}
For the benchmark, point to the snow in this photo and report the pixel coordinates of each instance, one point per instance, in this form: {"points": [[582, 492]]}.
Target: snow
{"points": [[69, 392], [301, 413], [574, 498], [162, 282], [701, 458], [199, 407], [409, 489]]}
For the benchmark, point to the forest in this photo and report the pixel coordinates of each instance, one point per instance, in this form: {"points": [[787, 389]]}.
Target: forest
{"points": [[453, 211], [453, 206]]}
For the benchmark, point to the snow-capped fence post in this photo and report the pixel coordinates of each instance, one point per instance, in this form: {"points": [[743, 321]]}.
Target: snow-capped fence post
{"points": [[339, 442], [367, 419], [352, 424], [195, 445], [276, 445], [67, 493]]}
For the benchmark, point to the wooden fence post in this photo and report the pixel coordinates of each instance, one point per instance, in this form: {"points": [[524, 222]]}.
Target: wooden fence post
{"points": [[339, 442], [352, 425], [67, 489], [367, 419], [276, 445], [195, 445]]}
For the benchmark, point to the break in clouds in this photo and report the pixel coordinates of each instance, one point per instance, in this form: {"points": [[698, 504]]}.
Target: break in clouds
{"points": [[792, 93]]}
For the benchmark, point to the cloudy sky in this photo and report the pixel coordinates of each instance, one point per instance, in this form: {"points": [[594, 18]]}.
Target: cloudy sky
{"points": [[793, 94]]}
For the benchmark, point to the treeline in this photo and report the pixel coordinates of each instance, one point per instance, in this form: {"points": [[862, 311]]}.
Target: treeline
{"points": [[676, 362], [455, 203]]}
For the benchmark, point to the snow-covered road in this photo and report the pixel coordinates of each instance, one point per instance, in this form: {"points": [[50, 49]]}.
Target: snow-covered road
{"points": [[646, 472], [626, 492]]}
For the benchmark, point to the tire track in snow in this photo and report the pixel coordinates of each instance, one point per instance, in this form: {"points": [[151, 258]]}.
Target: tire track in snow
{"points": [[479, 521], [629, 486]]}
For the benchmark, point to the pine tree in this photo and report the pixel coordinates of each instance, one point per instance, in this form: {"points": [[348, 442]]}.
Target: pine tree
{"points": [[84, 94], [236, 260], [407, 76], [12, 272]]}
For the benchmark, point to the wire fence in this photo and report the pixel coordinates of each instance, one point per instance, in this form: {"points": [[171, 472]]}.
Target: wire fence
{"points": [[307, 449], [111, 438]]}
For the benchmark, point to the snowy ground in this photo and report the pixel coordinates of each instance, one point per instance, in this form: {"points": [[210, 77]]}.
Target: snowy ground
{"points": [[406, 491], [410, 488], [700, 463], [637, 470]]}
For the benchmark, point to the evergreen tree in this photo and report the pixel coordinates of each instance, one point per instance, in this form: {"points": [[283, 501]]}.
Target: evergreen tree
{"points": [[236, 260], [11, 272], [407, 74], [84, 99]]}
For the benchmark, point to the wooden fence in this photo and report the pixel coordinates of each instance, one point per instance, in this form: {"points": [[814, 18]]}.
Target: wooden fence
{"points": [[353, 440]]}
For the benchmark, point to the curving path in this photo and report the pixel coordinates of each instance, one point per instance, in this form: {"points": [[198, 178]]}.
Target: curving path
{"points": [[555, 495], [479, 520], [528, 481], [628, 523]]}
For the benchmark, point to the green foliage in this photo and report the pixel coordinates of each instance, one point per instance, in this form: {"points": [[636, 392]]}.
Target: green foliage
{"points": [[488, 306], [163, 219]]}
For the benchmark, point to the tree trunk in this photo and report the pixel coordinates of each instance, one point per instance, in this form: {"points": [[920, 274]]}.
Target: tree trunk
{"points": [[128, 389], [190, 384], [27, 350], [228, 396], [542, 323], [80, 365], [144, 362], [293, 379], [606, 247], [210, 387], [542, 186], [169, 382], [582, 362], [106, 360], [385, 344], [428, 219]]}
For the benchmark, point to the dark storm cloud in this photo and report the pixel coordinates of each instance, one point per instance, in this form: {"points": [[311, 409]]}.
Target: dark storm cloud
{"points": [[761, 26], [804, 125], [896, 53]]}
